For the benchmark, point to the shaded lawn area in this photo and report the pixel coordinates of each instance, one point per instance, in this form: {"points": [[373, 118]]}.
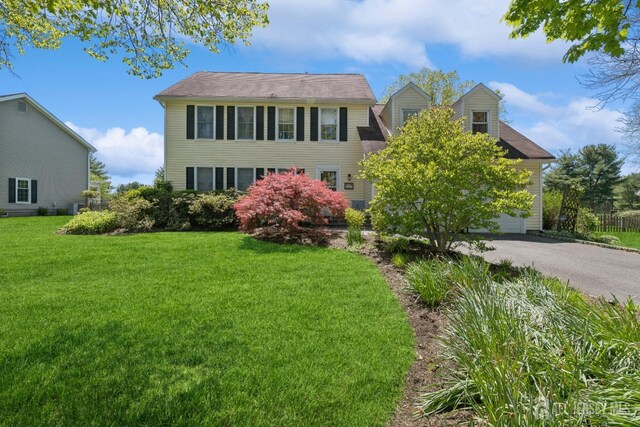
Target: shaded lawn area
{"points": [[629, 239], [193, 328]]}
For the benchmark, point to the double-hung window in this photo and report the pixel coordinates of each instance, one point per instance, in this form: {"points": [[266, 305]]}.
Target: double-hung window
{"points": [[328, 124], [329, 175], [205, 122], [286, 126], [245, 178], [480, 122], [407, 114], [23, 190], [204, 179], [246, 123]]}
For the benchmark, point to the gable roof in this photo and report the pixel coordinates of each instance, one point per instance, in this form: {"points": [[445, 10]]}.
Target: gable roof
{"points": [[479, 86], [47, 114], [353, 88], [403, 89]]}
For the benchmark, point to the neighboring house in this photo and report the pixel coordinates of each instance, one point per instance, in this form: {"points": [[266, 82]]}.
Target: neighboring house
{"points": [[43, 163], [226, 130]]}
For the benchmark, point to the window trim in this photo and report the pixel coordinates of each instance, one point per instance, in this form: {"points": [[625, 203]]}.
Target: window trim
{"points": [[488, 122], [337, 110], [293, 138], [213, 122], [28, 190], [237, 109], [330, 168], [415, 111]]}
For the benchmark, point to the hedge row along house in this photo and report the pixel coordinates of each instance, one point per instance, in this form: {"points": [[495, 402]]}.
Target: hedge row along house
{"points": [[225, 130]]}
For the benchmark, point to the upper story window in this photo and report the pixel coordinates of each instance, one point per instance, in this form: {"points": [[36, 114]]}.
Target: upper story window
{"points": [[205, 122], [286, 126], [23, 190], [407, 114], [245, 123], [480, 122], [328, 124]]}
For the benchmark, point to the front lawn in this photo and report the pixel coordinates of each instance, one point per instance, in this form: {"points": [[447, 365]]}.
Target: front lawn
{"points": [[629, 239], [193, 328]]}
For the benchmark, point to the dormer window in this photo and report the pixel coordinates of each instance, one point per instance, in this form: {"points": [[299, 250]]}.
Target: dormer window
{"points": [[480, 122], [407, 114]]}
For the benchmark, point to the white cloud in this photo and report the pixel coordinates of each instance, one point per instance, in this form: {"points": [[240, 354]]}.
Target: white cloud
{"points": [[396, 31], [128, 156], [572, 124]]}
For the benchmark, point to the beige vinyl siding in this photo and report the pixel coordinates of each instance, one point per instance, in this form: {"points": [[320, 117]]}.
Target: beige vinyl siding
{"points": [[33, 147], [181, 153], [457, 109], [410, 99], [534, 222], [480, 100], [386, 115]]}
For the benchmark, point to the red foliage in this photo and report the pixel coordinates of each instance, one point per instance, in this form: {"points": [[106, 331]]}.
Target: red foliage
{"points": [[289, 208]]}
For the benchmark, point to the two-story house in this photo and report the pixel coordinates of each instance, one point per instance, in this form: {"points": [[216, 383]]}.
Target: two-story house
{"points": [[226, 130], [43, 163]]}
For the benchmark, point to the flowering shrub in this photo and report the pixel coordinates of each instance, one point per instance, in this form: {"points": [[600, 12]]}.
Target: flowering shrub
{"points": [[289, 208]]}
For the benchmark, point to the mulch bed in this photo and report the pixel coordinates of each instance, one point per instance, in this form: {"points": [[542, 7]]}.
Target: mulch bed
{"points": [[429, 368]]}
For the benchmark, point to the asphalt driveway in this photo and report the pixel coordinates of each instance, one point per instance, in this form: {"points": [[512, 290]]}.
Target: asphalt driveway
{"points": [[593, 270]]}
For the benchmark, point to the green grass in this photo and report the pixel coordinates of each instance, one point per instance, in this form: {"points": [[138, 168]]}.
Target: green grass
{"points": [[193, 329], [628, 239]]}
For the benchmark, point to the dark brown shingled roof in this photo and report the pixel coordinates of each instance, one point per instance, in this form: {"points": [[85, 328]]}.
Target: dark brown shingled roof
{"points": [[373, 138], [318, 87], [519, 146]]}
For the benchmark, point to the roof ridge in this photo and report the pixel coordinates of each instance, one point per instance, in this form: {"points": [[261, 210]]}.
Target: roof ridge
{"points": [[274, 73]]}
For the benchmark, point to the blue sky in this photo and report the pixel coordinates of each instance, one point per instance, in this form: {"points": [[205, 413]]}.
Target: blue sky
{"points": [[379, 38]]}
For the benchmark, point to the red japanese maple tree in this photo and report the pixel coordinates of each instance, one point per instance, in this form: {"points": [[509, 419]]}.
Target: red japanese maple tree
{"points": [[289, 207]]}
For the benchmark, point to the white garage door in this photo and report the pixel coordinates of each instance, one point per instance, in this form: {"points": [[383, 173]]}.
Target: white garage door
{"points": [[508, 224]]}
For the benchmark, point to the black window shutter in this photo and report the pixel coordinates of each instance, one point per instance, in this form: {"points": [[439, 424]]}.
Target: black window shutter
{"points": [[12, 190], [219, 178], [259, 173], [34, 191], [191, 119], [220, 122], [231, 123], [259, 123], [344, 127], [271, 123], [190, 179], [231, 178], [314, 123], [300, 124]]}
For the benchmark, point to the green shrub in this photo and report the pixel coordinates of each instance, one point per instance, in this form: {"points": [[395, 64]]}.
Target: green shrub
{"points": [[3, 212], [587, 222], [551, 204], [397, 244], [355, 224], [428, 279], [213, 211], [89, 194], [41, 211], [400, 260], [62, 211], [84, 210], [91, 222], [607, 239], [179, 218], [629, 214], [132, 213]]}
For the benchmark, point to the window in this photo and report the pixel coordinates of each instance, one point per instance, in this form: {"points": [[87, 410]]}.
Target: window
{"points": [[329, 177], [245, 123], [407, 114], [286, 127], [204, 179], [479, 122], [328, 124], [205, 122], [22, 106], [245, 178], [23, 190]]}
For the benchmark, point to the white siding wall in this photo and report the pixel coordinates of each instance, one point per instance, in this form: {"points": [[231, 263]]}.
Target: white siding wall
{"points": [[33, 147], [181, 152], [482, 101]]}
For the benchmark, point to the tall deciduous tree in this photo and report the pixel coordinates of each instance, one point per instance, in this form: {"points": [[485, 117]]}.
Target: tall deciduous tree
{"points": [[443, 88], [434, 179], [149, 35]]}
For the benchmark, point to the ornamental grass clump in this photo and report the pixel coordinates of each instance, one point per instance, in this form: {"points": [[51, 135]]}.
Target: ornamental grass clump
{"points": [[355, 224], [534, 352], [289, 208]]}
